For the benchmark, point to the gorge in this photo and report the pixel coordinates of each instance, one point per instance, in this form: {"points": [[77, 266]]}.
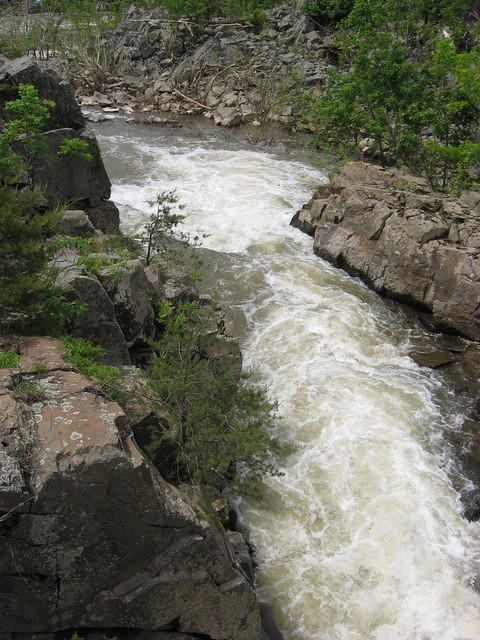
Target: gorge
{"points": [[363, 536]]}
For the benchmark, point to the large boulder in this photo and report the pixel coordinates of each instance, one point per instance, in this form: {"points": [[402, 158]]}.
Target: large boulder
{"points": [[404, 240], [71, 178], [98, 322], [66, 112], [106, 542], [131, 294], [103, 214]]}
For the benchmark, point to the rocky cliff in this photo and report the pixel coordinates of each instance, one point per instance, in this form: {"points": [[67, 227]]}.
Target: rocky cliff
{"points": [[404, 240], [223, 70], [92, 538]]}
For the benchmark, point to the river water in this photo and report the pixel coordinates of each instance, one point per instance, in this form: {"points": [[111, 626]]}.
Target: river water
{"points": [[362, 537]]}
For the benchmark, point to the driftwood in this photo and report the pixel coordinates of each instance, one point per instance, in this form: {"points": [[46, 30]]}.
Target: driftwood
{"points": [[195, 102]]}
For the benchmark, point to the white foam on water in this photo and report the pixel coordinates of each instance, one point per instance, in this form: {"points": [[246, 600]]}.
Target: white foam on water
{"points": [[362, 537]]}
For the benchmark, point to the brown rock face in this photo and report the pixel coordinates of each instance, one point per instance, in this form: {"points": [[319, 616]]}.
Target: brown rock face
{"points": [[404, 240], [98, 539]]}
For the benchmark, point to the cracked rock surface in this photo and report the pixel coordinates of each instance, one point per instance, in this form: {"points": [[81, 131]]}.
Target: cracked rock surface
{"points": [[404, 240], [91, 536]]}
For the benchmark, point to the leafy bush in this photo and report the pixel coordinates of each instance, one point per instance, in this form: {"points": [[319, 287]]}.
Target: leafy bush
{"points": [[29, 116], [9, 359], [408, 88], [328, 10], [222, 428], [29, 300], [76, 148]]}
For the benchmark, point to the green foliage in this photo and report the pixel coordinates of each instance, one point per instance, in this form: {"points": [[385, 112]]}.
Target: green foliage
{"points": [[9, 359], [86, 359], [82, 246], [114, 265], [409, 89], [28, 117], [206, 9], [221, 427], [76, 148], [29, 300], [328, 10], [257, 19], [122, 243], [158, 230]]}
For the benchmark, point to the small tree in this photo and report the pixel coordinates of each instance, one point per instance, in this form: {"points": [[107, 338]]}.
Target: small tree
{"points": [[158, 230], [21, 140], [222, 427]]}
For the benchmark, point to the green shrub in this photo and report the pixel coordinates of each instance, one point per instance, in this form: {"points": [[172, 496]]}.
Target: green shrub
{"points": [[222, 428], [9, 359], [75, 148], [328, 10]]}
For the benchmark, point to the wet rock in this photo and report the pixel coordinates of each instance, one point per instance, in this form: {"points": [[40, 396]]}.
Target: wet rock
{"points": [[226, 117], [241, 553], [433, 359]]}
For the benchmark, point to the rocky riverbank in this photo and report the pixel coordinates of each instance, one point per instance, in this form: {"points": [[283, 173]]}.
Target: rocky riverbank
{"points": [[417, 247], [162, 69], [92, 538]]}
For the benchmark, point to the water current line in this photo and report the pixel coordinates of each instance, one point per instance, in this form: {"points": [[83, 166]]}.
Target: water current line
{"points": [[362, 537]]}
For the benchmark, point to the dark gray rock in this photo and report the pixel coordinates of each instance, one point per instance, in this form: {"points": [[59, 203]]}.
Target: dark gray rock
{"points": [[131, 296], [66, 112], [103, 215], [71, 178], [108, 544], [98, 323], [432, 359]]}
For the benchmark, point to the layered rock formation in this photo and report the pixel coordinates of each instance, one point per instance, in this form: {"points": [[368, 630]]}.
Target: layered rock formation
{"points": [[91, 536], [404, 240]]}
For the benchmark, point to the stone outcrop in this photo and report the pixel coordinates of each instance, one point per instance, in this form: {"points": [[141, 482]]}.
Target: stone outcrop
{"points": [[65, 178], [223, 70], [70, 178], [404, 240], [66, 112], [91, 536]]}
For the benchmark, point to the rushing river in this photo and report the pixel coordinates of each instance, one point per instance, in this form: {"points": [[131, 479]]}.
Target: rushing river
{"points": [[362, 537]]}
